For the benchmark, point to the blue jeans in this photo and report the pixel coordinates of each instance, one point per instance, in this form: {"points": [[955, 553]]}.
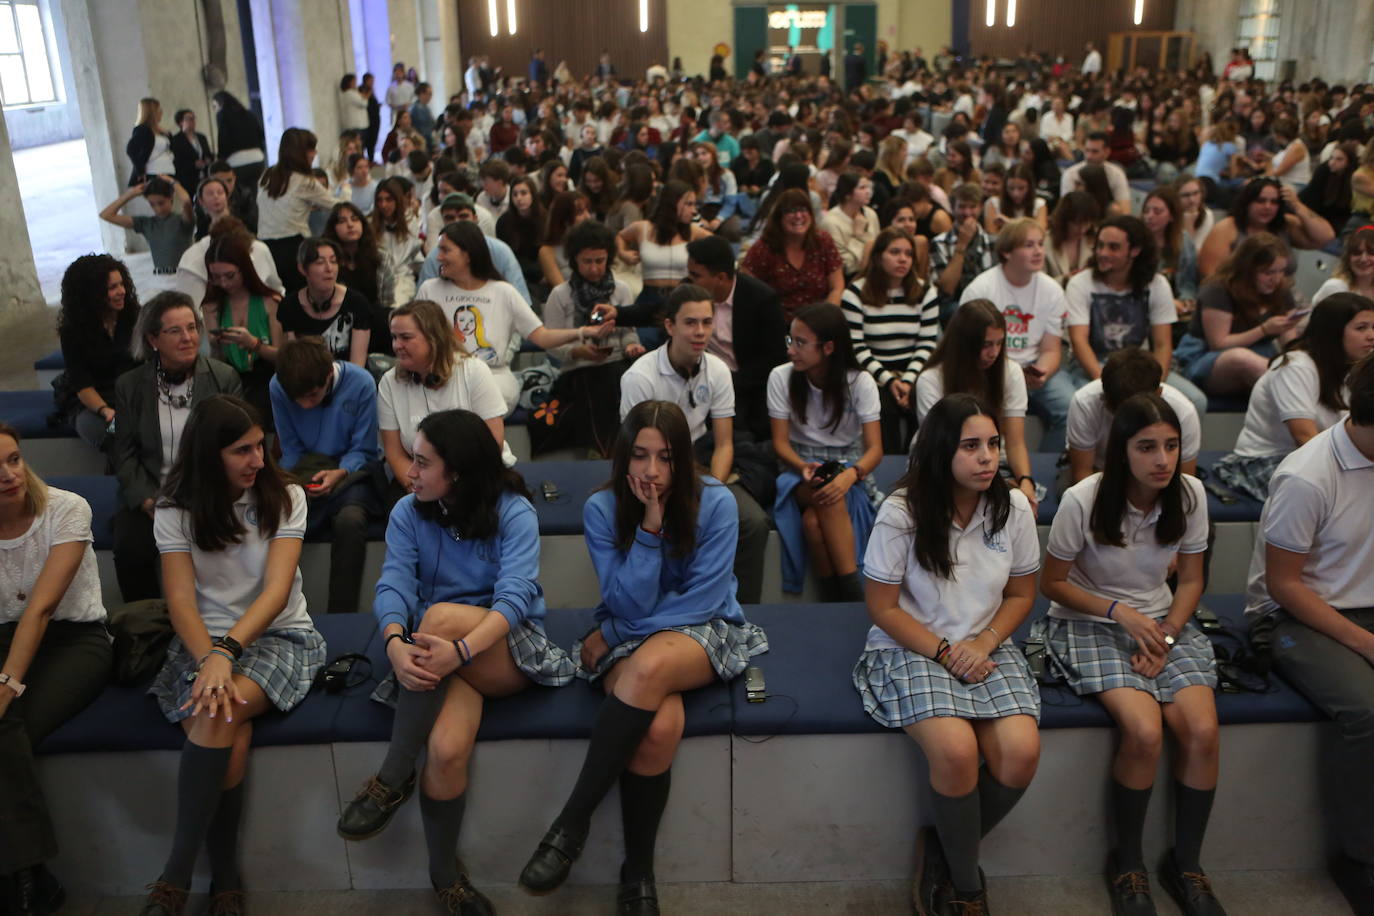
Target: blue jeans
{"points": [[1051, 405]]}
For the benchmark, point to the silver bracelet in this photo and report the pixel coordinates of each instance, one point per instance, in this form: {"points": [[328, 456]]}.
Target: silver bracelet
{"points": [[994, 633]]}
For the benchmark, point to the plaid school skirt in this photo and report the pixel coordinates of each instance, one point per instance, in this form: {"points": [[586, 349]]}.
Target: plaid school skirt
{"points": [[1093, 657], [537, 656], [900, 687], [282, 662], [728, 646], [1248, 475]]}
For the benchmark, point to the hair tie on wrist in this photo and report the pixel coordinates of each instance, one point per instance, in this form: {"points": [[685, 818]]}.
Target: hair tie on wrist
{"points": [[1111, 610]]}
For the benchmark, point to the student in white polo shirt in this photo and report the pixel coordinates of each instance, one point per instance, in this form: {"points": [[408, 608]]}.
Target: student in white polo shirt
{"points": [[1311, 597], [683, 373], [951, 569], [1034, 307], [1117, 632], [1301, 393], [1126, 373]]}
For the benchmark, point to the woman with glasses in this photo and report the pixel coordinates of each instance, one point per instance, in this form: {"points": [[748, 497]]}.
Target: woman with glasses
{"points": [[795, 257], [824, 411]]}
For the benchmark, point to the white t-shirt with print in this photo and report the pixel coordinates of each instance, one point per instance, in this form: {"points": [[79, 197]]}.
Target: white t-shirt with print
{"points": [[962, 606], [862, 406], [1032, 311], [401, 404], [487, 320], [228, 581], [1090, 421], [1118, 319], [1287, 391], [1135, 574], [66, 520]]}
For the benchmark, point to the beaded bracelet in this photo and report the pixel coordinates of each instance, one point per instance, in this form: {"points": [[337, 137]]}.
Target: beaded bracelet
{"points": [[942, 650]]}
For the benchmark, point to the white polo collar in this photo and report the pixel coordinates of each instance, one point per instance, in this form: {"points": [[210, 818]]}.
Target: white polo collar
{"points": [[1348, 455]]}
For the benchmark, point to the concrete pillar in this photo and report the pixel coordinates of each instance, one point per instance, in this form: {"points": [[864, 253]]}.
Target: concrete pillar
{"points": [[435, 51], [312, 46], [18, 275], [452, 44], [403, 17]]}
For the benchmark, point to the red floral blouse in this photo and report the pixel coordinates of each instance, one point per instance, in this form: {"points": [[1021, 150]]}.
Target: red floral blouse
{"points": [[796, 287]]}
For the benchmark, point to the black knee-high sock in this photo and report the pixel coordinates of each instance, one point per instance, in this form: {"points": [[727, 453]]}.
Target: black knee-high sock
{"points": [[443, 822], [1192, 809], [1128, 812], [618, 730], [199, 779], [995, 800], [642, 800], [416, 711], [222, 842], [958, 822]]}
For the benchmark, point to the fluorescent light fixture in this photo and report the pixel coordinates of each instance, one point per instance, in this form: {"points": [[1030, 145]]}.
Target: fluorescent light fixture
{"points": [[1139, 11], [491, 16], [991, 18], [644, 15], [510, 16], [1011, 13]]}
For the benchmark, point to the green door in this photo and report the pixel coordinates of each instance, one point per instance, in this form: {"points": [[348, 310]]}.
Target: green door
{"points": [[751, 34], [860, 24]]}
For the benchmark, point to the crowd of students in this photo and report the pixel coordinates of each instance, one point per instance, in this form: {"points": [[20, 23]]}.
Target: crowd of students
{"points": [[822, 281]]}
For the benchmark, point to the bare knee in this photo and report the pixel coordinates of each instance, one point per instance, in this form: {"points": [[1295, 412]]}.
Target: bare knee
{"points": [[1142, 738], [451, 621], [216, 732], [659, 745], [643, 675], [1017, 762], [1199, 738], [449, 752], [811, 523], [954, 761]]}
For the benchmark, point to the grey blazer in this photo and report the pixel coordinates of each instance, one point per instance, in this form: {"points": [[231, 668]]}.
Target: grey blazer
{"points": [[138, 433]]}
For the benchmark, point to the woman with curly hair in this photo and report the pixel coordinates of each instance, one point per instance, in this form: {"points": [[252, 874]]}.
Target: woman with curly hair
{"points": [[96, 327]]}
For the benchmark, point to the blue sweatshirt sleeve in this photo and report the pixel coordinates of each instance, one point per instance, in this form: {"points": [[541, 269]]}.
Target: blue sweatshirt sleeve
{"points": [[362, 438], [517, 591], [508, 266], [397, 595], [709, 577], [283, 412], [630, 580]]}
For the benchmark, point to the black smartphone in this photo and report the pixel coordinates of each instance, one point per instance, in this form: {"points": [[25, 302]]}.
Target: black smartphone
{"points": [[755, 689]]}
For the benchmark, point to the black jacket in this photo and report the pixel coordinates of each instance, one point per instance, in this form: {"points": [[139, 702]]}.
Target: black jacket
{"points": [[138, 432], [184, 155], [757, 328]]}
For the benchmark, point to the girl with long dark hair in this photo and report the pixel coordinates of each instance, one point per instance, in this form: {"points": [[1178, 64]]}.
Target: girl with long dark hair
{"points": [[461, 612], [823, 408], [1302, 393], [241, 318], [1116, 631], [229, 528], [951, 569], [396, 226], [662, 540], [893, 325], [287, 195], [522, 227], [659, 245], [567, 209], [363, 267], [96, 328]]}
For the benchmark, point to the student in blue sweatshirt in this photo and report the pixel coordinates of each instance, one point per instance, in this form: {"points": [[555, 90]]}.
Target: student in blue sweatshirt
{"points": [[461, 611], [662, 540], [326, 414]]}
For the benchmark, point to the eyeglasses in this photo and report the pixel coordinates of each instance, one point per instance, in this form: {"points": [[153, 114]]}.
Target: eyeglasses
{"points": [[793, 211], [189, 330]]}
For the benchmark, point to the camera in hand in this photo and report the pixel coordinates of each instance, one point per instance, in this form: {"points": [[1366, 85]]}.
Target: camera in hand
{"points": [[826, 473], [597, 318]]}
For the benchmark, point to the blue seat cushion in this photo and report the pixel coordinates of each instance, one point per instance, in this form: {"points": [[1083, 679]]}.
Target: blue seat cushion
{"points": [[537, 712], [103, 495], [575, 480], [28, 412], [53, 361], [1280, 703], [1044, 468], [1244, 509]]}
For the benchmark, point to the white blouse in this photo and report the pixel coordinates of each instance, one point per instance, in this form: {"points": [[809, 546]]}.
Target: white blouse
{"points": [[66, 519]]}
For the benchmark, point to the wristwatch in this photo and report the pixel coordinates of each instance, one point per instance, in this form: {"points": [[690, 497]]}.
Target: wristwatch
{"points": [[13, 684]]}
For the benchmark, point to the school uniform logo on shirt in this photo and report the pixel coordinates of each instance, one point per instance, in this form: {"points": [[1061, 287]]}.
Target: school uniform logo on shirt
{"points": [[995, 542], [703, 393], [250, 515]]}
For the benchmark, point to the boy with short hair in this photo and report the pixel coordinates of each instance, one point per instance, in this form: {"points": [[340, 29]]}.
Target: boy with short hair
{"points": [[169, 230]]}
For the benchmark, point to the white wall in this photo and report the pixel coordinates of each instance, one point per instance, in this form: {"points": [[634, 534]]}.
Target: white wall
{"points": [[1327, 38]]}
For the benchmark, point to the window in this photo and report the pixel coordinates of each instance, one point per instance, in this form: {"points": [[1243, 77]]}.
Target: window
{"points": [[25, 71], [1259, 31]]}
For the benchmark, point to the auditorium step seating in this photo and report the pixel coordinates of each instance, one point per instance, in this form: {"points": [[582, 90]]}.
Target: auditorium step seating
{"points": [[568, 579], [802, 787]]}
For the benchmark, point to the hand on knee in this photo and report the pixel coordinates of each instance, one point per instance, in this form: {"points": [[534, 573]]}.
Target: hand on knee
{"points": [[451, 621]]}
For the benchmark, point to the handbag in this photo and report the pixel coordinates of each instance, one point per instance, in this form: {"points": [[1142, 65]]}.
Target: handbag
{"points": [[141, 632]]}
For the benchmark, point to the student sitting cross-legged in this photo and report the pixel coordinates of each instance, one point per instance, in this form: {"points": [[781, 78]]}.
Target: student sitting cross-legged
{"points": [[461, 610]]}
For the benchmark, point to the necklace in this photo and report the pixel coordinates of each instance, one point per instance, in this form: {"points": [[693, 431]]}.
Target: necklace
{"points": [[164, 388]]}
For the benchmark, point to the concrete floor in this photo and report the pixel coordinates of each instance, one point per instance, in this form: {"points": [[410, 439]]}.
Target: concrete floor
{"points": [[1243, 894]]}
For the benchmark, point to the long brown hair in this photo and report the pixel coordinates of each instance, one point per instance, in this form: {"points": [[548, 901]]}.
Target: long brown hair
{"points": [[1172, 248], [233, 249], [1361, 240], [293, 157], [400, 191], [773, 234], [876, 283], [684, 492], [956, 356], [1237, 276], [197, 484]]}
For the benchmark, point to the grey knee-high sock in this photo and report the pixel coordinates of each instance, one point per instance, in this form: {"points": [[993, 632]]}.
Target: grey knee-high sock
{"points": [[1192, 809], [642, 800], [958, 822], [995, 800], [416, 711], [1128, 811], [198, 791], [443, 822], [222, 842]]}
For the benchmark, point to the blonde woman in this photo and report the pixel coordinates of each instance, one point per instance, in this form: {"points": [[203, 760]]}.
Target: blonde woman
{"points": [[149, 147]]}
